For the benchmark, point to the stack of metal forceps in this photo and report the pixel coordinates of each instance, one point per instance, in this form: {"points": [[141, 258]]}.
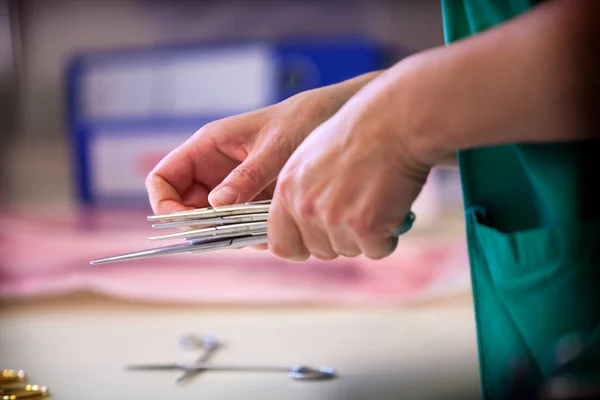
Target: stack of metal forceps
{"points": [[213, 228]]}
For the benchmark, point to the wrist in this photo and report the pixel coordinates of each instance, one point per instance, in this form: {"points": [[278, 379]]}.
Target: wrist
{"points": [[343, 91], [450, 161], [327, 100], [420, 124]]}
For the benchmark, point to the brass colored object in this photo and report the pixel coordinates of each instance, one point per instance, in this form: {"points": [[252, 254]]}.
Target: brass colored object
{"points": [[14, 385], [10, 376]]}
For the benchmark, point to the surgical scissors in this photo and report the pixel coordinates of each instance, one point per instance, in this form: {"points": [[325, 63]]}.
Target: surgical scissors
{"points": [[208, 344], [215, 228], [296, 372]]}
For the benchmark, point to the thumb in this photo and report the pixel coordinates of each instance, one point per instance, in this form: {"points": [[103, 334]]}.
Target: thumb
{"points": [[246, 181]]}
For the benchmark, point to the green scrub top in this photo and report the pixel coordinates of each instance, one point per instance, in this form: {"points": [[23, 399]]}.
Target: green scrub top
{"points": [[533, 234]]}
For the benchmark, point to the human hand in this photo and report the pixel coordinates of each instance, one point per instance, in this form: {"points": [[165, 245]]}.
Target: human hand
{"points": [[348, 187], [237, 159]]}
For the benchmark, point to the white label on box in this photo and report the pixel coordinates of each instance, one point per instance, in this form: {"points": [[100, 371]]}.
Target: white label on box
{"points": [[112, 91], [216, 81], [220, 81], [120, 163]]}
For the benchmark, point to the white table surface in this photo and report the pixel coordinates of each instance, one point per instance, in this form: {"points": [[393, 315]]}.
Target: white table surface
{"points": [[78, 346]]}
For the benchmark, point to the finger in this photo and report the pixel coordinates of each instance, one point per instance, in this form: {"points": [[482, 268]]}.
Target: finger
{"points": [[195, 196], [343, 242], [267, 193], [198, 161], [243, 184], [373, 227], [375, 247], [316, 239], [163, 197], [256, 173], [284, 238], [261, 246], [169, 178]]}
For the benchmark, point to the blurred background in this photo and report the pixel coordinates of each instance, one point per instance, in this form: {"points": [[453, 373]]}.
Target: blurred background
{"points": [[93, 93], [168, 67]]}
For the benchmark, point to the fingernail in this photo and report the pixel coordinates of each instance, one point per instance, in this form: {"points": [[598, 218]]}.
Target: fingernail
{"points": [[225, 195]]}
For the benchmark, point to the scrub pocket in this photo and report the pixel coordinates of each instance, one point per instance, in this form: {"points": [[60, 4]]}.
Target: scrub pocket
{"points": [[531, 288]]}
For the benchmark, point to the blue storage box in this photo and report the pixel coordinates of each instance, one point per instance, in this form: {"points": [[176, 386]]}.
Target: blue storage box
{"points": [[128, 109]]}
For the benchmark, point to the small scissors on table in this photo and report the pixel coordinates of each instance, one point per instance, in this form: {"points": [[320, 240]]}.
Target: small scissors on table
{"points": [[208, 344], [297, 372]]}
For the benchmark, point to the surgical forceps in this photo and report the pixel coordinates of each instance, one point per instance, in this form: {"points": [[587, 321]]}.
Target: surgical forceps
{"points": [[215, 228]]}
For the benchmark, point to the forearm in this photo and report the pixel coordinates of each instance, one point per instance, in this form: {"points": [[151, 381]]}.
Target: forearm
{"points": [[532, 79]]}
